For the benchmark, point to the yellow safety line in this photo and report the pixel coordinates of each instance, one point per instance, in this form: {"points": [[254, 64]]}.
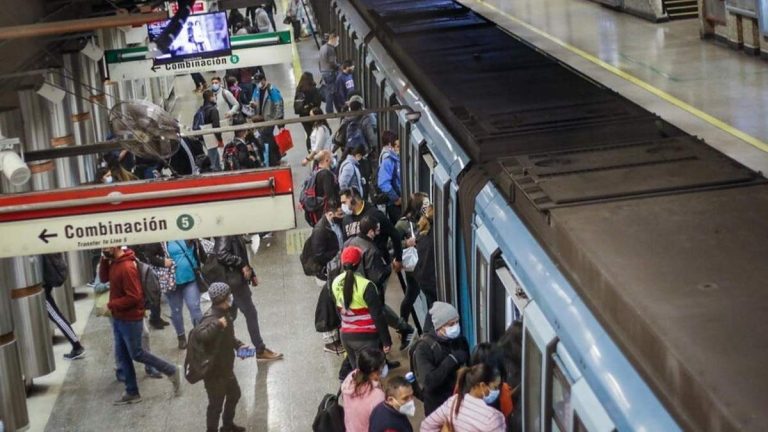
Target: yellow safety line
{"points": [[637, 81], [297, 69]]}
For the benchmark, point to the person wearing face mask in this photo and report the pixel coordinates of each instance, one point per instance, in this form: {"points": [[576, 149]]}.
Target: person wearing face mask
{"points": [[216, 335], [438, 355], [208, 114], [424, 273], [344, 85], [350, 176], [226, 102], [328, 66], [267, 103], [361, 389], [326, 188], [469, 410], [388, 179], [392, 414], [407, 226]]}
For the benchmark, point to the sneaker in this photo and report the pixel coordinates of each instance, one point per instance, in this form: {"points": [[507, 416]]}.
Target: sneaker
{"points": [[153, 373], [127, 399], [175, 378], [182, 342], [158, 325], [334, 348], [232, 428], [267, 354], [76, 353], [406, 338]]}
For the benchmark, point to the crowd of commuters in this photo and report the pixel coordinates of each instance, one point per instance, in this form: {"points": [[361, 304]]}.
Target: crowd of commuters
{"points": [[361, 226]]}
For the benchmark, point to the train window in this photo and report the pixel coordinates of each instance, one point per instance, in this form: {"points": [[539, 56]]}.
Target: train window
{"points": [[532, 385], [561, 400], [392, 115], [578, 426], [500, 305], [426, 165], [588, 413]]}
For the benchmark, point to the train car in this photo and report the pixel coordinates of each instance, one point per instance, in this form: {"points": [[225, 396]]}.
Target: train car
{"points": [[631, 251]]}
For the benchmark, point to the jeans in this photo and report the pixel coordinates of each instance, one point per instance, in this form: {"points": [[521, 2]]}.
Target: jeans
{"points": [[221, 391], [128, 348], [213, 155], [244, 303], [271, 16], [188, 293], [144, 345], [329, 78]]}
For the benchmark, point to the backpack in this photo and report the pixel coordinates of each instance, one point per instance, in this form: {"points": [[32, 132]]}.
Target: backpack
{"points": [[340, 136], [199, 119], [308, 263], [55, 269], [230, 160], [197, 359], [308, 198], [354, 134], [326, 316], [330, 415], [150, 284], [418, 392], [299, 101]]}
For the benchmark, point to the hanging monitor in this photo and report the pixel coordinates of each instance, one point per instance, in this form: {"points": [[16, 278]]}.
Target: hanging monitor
{"points": [[202, 36]]}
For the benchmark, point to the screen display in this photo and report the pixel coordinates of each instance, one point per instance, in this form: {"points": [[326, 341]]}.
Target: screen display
{"points": [[202, 36]]}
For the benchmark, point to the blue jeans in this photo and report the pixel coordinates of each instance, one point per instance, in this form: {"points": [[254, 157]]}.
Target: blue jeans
{"points": [[128, 349], [188, 293], [329, 78], [213, 155]]}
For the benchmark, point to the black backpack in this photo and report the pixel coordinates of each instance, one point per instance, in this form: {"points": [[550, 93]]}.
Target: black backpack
{"points": [[197, 360], [425, 338], [308, 263], [299, 102], [326, 316], [55, 269], [150, 284], [330, 415]]}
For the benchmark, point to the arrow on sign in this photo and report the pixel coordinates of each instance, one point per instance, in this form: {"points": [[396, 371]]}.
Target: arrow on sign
{"points": [[44, 236], [155, 68]]}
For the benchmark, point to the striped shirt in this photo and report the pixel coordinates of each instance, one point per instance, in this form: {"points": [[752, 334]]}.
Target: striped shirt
{"points": [[474, 416]]}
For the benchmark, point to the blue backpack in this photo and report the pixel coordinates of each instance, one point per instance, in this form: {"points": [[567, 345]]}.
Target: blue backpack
{"points": [[199, 119], [355, 136]]}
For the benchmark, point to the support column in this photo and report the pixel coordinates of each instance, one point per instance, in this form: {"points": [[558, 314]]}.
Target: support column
{"points": [[751, 36], [13, 398]]}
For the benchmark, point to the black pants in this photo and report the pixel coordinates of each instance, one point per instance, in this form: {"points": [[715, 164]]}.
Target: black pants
{"points": [[308, 130], [197, 77], [411, 294], [55, 315], [393, 211], [223, 392]]}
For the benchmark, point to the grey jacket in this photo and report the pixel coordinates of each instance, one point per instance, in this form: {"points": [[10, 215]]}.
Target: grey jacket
{"points": [[327, 60], [374, 267]]}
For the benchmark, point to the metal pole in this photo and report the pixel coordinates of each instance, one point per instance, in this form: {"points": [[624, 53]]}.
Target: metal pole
{"points": [[71, 26], [80, 116]]}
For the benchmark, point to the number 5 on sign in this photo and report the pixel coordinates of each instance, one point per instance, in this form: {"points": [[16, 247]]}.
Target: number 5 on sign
{"points": [[185, 222]]}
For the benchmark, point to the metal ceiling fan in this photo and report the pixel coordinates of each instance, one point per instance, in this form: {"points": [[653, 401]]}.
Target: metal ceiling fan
{"points": [[145, 129]]}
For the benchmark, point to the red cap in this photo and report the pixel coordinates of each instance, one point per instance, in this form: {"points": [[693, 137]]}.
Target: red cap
{"points": [[351, 255]]}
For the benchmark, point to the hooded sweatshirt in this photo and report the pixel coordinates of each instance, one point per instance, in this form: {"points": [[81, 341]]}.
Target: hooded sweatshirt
{"points": [[358, 407], [126, 296]]}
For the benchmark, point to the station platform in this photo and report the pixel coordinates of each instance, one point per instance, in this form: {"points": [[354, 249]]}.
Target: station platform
{"points": [[707, 90]]}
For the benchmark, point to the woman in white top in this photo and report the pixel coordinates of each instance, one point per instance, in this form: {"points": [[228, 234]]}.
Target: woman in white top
{"points": [[468, 410], [320, 139]]}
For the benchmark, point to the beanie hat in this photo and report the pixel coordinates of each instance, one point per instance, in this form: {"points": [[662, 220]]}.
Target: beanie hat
{"points": [[351, 255], [442, 313], [218, 291]]}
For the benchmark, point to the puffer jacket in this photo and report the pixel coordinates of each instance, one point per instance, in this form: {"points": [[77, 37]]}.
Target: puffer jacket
{"points": [[273, 107]]}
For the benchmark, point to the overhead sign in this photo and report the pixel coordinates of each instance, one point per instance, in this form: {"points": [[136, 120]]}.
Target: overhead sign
{"points": [[247, 50], [142, 212]]}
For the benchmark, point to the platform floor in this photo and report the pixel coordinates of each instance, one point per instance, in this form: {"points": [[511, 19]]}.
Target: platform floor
{"points": [[647, 62]]}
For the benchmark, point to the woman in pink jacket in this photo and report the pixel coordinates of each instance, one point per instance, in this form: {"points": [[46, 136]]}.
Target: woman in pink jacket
{"points": [[469, 410], [361, 390]]}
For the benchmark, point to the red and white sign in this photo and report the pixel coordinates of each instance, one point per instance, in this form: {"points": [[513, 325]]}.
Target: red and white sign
{"points": [[199, 6], [140, 212]]}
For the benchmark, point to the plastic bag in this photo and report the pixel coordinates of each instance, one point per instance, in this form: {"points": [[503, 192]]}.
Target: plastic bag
{"points": [[410, 258]]}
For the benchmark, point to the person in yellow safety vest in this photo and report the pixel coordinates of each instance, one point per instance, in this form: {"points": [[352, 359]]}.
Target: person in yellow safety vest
{"points": [[362, 314]]}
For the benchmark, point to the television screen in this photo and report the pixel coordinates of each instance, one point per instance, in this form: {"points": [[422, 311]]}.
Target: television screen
{"points": [[203, 36]]}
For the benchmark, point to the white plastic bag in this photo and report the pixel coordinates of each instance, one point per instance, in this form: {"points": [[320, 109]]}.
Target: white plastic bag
{"points": [[410, 258]]}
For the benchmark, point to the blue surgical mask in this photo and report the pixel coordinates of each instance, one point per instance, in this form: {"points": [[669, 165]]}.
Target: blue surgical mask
{"points": [[491, 397], [453, 331], [215, 87]]}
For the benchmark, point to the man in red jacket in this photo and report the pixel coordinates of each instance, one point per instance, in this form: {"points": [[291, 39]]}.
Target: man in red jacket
{"points": [[126, 302]]}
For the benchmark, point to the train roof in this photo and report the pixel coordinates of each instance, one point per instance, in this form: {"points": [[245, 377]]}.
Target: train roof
{"points": [[661, 234]]}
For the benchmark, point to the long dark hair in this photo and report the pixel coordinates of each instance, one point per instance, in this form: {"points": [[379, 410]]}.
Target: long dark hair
{"points": [[469, 377], [306, 82], [415, 202], [369, 360], [350, 283], [319, 111]]}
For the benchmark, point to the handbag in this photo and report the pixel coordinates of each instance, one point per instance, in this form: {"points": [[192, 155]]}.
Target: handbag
{"points": [[165, 275], [202, 283], [284, 141], [410, 256]]}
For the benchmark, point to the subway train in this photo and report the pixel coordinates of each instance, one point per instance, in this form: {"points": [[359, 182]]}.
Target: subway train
{"points": [[633, 252]]}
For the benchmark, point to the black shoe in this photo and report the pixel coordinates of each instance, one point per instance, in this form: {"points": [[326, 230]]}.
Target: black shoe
{"points": [[159, 324], [152, 373], [182, 342], [76, 353], [127, 399], [406, 337], [232, 428], [393, 364]]}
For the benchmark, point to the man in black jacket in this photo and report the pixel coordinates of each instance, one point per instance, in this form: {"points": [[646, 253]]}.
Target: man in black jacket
{"points": [[439, 355], [327, 238], [211, 116], [232, 254], [355, 209], [216, 333]]}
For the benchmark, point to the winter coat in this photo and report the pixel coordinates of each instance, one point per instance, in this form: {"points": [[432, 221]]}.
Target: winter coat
{"points": [[388, 233], [358, 407], [350, 176], [126, 295], [232, 253], [373, 265], [325, 244], [389, 175], [437, 362], [219, 342], [474, 416]]}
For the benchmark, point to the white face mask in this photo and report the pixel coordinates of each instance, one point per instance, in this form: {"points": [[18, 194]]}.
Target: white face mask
{"points": [[231, 300], [408, 408], [108, 179], [453, 331], [345, 208]]}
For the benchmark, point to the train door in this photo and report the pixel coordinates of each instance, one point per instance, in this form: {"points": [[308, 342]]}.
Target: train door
{"points": [[486, 250], [445, 234], [507, 299], [538, 344], [573, 407]]}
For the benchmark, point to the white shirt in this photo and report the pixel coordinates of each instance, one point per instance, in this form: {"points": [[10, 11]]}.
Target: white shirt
{"points": [[320, 139]]}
